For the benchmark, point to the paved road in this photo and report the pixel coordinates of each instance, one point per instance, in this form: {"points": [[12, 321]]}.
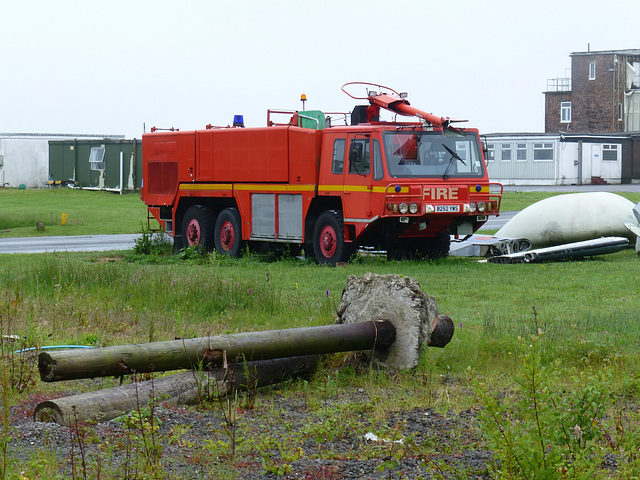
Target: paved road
{"points": [[82, 243], [629, 188], [496, 223]]}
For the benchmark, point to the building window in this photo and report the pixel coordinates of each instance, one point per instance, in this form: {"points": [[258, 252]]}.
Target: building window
{"points": [[619, 112], [543, 151], [96, 158], [521, 152], [592, 70], [506, 152], [565, 112], [491, 152], [610, 153], [337, 165]]}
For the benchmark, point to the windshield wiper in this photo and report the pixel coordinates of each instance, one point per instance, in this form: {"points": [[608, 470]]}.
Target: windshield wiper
{"points": [[454, 156]]}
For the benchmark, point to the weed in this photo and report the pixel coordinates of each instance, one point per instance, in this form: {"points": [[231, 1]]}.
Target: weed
{"points": [[153, 243], [541, 431], [194, 253], [142, 426], [6, 397], [228, 403], [288, 452], [78, 436]]}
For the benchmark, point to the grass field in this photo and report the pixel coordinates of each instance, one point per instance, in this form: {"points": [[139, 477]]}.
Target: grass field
{"points": [[581, 316], [88, 212], [96, 212]]}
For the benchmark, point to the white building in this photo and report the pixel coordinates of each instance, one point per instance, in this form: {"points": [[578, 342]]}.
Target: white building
{"points": [[24, 157], [560, 159]]}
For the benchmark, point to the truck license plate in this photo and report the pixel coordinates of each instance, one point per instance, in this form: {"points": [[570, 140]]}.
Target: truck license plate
{"points": [[447, 208]]}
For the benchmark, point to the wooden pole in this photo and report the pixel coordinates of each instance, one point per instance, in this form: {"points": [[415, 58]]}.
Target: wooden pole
{"points": [[211, 352], [182, 388]]}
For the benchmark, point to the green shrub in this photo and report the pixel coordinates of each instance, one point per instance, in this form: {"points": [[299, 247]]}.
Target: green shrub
{"points": [[152, 243]]}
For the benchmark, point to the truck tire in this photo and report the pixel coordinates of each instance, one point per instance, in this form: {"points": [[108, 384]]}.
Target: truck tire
{"points": [[395, 253], [197, 227], [329, 246], [437, 247], [228, 233]]}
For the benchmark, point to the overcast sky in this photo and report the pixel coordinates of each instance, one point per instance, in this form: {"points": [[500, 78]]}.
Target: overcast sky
{"points": [[111, 67]]}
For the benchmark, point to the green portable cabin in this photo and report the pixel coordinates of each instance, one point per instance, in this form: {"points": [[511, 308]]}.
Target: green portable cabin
{"points": [[103, 164]]}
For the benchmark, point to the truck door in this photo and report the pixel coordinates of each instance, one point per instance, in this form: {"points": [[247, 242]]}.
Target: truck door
{"points": [[358, 180]]}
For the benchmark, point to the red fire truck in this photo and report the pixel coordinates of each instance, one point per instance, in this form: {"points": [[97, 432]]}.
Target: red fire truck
{"points": [[403, 187]]}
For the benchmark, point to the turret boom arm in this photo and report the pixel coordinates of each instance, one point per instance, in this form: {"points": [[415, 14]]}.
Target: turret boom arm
{"points": [[402, 107], [396, 103]]}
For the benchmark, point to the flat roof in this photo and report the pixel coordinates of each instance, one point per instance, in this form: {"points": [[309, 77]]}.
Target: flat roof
{"points": [[630, 52], [561, 135]]}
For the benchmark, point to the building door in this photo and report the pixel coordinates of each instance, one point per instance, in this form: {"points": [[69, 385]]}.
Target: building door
{"points": [[596, 160]]}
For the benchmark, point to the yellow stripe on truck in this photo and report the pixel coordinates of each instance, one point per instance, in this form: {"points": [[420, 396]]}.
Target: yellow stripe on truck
{"points": [[274, 187], [484, 189], [245, 187], [349, 188], [206, 186]]}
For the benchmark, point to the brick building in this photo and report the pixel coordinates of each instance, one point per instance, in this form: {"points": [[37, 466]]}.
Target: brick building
{"points": [[602, 94]]}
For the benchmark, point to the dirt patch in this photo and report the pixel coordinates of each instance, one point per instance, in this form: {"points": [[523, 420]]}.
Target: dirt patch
{"points": [[117, 258]]}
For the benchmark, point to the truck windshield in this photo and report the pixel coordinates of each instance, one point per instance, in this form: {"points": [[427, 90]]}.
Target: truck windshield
{"points": [[430, 154]]}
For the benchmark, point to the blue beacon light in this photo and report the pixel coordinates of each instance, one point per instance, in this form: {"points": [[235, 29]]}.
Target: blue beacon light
{"points": [[238, 121]]}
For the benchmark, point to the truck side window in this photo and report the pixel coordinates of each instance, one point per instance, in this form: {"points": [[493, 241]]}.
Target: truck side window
{"points": [[377, 161], [359, 157], [337, 166]]}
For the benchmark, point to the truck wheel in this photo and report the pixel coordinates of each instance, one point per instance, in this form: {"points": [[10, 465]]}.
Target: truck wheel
{"points": [[329, 246], [437, 247], [395, 253], [228, 233], [197, 227]]}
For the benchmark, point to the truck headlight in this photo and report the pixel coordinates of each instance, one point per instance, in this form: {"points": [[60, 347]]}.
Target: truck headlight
{"points": [[403, 208], [413, 208], [482, 207]]}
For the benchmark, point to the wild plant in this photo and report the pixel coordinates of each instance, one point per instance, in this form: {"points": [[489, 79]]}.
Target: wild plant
{"points": [[5, 414], [540, 431], [289, 453], [220, 390], [152, 243], [395, 451], [145, 421], [16, 374], [142, 426], [77, 434], [250, 385], [228, 406]]}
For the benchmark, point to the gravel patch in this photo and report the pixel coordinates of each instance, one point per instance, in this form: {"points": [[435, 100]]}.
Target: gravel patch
{"points": [[338, 438]]}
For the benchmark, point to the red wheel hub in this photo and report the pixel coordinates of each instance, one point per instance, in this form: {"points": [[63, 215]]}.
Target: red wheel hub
{"points": [[328, 241], [227, 235], [193, 233]]}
